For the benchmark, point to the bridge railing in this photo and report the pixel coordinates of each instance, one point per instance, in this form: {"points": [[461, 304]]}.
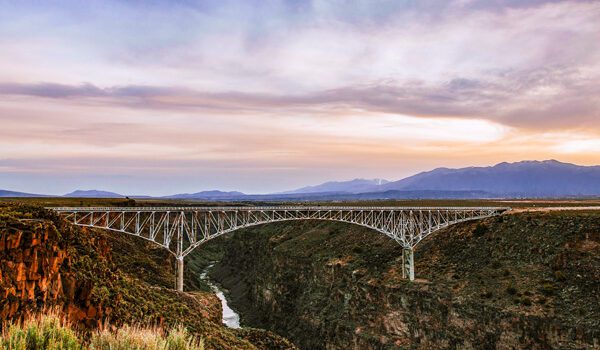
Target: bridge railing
{"points": [[225, 208]]}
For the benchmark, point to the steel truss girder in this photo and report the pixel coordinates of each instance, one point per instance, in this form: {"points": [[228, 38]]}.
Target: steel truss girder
{"points": [[181, 230]]}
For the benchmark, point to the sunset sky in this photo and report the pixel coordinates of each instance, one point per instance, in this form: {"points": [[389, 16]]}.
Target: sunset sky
{"points": [[164, 97]]}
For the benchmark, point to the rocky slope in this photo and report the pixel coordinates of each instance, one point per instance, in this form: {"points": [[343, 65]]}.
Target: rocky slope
{"points": [[524, 281], [96, 277]]}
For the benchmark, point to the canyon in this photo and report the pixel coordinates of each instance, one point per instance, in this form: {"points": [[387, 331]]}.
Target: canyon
{"points": [[526, 280]]}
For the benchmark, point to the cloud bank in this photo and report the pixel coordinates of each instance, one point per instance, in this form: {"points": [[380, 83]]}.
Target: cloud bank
{"points": [[298, 91]]}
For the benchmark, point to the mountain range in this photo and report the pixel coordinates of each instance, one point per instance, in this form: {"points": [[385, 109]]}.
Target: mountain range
{"points": [[93, 194], [352, 186], [5, 193], [211, 195], [526, 179], [523, 179]]}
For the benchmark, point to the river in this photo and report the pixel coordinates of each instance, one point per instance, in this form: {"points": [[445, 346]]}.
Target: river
{"points": [[230, 318]]}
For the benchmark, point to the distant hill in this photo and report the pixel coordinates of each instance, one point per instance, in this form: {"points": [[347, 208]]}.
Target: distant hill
{"points": [[93, 194], [526, 179], [213, 195], [5, 193], [390, 194], [548, 178], [352, 186]]}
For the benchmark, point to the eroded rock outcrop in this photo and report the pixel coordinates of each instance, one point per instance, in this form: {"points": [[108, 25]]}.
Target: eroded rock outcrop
{"points": [[31, 258], [94, 277]]}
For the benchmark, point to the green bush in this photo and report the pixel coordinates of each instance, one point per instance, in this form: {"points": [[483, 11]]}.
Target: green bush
{"points": [[357, 249], [547, 289], [480, 230], [560, 276], [43, 332], [511, 290]]}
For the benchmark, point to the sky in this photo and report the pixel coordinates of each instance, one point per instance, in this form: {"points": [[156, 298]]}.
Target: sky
{"points": [[161, 97]]}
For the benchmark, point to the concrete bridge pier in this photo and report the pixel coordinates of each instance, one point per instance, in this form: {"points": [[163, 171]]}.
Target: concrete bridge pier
{"points": [[179, 280], [408, 264]]}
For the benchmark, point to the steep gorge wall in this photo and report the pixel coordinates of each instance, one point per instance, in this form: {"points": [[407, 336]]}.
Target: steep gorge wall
{"points": [[527, 282], [29, 266], [94, 276], [36, 270]]}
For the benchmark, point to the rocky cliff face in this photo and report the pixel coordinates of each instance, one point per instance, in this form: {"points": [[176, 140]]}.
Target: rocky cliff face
{"points": [[37, 269], [527, 281], [95, 276], [29, 266]]}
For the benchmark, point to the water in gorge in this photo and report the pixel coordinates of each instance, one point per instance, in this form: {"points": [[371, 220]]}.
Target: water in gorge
{"points": [[230, 317]]}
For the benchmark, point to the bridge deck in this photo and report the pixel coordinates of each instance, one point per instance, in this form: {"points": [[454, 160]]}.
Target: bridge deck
{"points": [[258, 208]]}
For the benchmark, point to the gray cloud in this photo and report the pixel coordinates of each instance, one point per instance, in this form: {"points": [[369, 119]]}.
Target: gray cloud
{"points": [[53, 90], [543, 98]]}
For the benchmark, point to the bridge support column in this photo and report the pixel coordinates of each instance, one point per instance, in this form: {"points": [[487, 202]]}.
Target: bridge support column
{"points": [[179, 281], [408, 264]]}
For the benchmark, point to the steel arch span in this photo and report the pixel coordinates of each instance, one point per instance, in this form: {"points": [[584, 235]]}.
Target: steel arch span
{"points": [[182, 229]]}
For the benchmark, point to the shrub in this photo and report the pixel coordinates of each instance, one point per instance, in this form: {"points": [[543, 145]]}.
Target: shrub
{"points": [[511, 290], [180, 339], [480, 230], [486, 294], [49, 331], [100, 294], [137, 338], [547, 289], [357, 249], [46, 331], [560, 276]]}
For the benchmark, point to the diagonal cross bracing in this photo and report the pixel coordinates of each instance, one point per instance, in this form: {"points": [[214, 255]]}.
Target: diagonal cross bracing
{"points": [[182, 229], [200, 224]]}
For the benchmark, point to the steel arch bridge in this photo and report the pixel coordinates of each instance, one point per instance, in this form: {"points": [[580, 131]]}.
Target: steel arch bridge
{"points": [[182, 229]]}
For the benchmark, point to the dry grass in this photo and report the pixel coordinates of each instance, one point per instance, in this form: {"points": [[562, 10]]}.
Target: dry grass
{"points": [[45, 331], [50, 331], [138, 338]]}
